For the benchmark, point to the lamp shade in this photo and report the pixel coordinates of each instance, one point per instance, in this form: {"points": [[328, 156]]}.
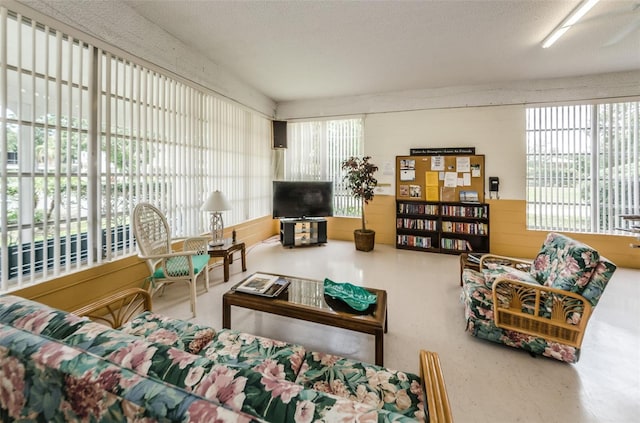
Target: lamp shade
{"points": [[216, 202]]}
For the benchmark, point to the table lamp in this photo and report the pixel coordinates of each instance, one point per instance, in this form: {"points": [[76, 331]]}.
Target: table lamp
{"points": [[216, 203]]}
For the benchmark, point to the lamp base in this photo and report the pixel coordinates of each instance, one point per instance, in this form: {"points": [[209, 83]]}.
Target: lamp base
{"points": [[217, 230]]}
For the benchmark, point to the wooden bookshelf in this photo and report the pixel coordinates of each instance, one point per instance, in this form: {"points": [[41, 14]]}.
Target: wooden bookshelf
{"points": [[432, 208], [442, 227]]}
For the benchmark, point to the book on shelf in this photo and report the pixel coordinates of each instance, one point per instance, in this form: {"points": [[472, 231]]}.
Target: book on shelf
{"points": [[263, 284], [456, 244]]}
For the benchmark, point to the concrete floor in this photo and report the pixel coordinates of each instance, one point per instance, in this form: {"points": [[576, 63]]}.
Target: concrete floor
{"points": [[486, 382]]}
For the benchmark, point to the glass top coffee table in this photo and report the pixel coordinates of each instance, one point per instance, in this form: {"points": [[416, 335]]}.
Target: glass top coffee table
{"points": [[304, 299]]}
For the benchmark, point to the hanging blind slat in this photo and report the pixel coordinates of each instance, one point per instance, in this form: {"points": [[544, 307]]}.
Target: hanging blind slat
{"points": [[75, 171], [582, 166], [315, 151]]}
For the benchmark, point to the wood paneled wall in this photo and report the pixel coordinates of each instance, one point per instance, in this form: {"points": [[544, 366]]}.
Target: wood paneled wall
{"points": [[77, 289], [380, 216], [509, 237]]}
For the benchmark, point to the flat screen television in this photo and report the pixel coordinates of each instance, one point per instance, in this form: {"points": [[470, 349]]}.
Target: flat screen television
{"points": [[302, 199]]}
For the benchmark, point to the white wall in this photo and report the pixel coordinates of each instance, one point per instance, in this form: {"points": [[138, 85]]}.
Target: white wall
{"points": [[497, 132], [490, 118]]}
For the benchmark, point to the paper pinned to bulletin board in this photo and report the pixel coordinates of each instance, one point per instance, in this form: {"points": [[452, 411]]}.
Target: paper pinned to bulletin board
{"points": [[432, 182], [440, 178]]}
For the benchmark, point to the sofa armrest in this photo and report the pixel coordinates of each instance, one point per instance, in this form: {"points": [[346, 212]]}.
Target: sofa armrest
{"points": [[434, 388], [520, 264], [117, 309], [550, 313]]}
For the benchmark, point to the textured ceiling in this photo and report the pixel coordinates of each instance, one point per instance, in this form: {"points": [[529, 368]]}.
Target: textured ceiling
{"points": [[292, 50], [296, 50]]}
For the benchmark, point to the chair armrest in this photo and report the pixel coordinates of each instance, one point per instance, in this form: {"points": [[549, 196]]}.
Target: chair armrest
{"points": [[170, 255], [434, 388], [550, 313], [520, 264], [117, 309], [199, 244]]}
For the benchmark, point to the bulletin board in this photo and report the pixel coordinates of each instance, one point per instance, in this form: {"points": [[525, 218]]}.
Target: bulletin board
{"points": [[440, 178]]}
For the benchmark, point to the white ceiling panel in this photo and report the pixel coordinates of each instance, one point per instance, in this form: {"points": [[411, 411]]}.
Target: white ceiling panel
{"points": [[302, 50]]}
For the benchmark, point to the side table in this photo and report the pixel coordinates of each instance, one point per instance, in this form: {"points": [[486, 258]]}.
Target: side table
{"points": [[226, 251]]}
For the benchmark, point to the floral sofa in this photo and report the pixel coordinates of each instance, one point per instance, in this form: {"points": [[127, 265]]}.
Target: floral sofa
{"points": [[542, 306], [56, 366]]}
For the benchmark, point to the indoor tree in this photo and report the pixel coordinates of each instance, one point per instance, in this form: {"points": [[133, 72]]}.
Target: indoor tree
{"points": [[360, 181]]}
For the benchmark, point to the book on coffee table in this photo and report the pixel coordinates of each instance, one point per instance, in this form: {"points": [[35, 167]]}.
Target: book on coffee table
{"points": [[263, 284]]}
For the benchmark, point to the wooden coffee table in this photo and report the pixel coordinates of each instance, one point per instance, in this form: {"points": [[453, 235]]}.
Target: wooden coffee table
{"points": [[304, 299]]}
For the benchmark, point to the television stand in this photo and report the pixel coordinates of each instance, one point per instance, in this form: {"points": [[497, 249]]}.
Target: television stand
{"points": [[302, 232]]}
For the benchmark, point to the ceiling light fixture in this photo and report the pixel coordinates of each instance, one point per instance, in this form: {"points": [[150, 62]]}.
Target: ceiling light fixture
{"points": [[568, 22]]}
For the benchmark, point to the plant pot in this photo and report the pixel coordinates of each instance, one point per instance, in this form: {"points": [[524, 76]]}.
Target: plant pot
{"points": [[365, 240]]}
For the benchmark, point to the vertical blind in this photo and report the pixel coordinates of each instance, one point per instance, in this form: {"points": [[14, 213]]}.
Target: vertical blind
{"points": [[583, 167], [85, 135], [316, 150]]}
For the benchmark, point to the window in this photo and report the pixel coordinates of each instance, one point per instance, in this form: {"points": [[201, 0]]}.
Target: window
{"points": [[583, 166], [316, 150], [85, 135]]}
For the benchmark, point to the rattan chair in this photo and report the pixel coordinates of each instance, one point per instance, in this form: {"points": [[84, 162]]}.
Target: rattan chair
{"points": [[117, 309], [541, 306], [153, 238]]}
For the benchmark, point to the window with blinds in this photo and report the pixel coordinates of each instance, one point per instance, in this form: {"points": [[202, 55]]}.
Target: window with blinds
{"points": [[316, 150], [85, 135], [583, 166]]}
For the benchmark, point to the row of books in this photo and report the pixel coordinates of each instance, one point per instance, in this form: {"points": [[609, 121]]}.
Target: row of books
{"points": [[408, 208], [465, 211], [466, 228], [414, 241], [455, 244], [421, 224]]}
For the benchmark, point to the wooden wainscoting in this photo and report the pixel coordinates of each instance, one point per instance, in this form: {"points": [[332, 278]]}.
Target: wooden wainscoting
{"points": [[75, 290], [510, 237], [380, 215], [508, 229]]}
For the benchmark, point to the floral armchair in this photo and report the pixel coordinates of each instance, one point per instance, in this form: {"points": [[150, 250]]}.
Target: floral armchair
{"points": [[541, 306]]}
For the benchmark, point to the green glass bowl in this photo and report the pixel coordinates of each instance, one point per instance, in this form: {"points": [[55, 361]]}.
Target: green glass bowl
{"points": [[355, 297]]}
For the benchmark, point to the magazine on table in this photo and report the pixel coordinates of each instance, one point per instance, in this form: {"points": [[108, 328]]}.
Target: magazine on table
{"points": [[263, 284]]}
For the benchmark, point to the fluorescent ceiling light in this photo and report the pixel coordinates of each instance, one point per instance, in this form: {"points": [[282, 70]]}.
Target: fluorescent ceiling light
{"points": [[568, 22]]}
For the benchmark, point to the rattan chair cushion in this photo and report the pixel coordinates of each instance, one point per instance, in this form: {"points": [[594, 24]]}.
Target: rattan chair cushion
{"points": [[564, 263], [601, 275], [178, 266], [491, 274]]}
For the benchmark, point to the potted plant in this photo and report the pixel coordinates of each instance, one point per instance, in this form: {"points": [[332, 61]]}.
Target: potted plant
{"points": [[361, 184]]}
